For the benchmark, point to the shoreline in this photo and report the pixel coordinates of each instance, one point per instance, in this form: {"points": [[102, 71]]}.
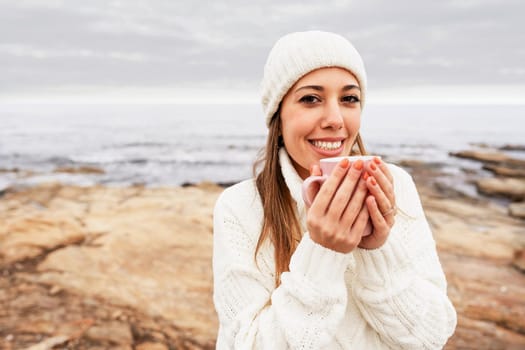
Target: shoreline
{"points": [[131, 266]]}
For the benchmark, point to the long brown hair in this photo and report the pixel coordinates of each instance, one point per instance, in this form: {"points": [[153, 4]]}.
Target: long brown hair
{"points": [[281, 223]]}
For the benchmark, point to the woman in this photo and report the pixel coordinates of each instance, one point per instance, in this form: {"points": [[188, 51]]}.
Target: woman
{"points": [[286, 276]]}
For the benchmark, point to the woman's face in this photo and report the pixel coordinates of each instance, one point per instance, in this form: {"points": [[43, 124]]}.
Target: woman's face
{"points": [[320, 117]]}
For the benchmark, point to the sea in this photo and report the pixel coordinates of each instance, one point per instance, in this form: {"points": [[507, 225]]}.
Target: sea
{"points": [[175, 144]]}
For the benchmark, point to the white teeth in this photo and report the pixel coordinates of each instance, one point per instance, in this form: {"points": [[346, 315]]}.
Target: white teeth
{"points": [[327, 145]]}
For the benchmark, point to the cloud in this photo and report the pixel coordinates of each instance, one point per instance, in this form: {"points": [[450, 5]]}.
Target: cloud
{"points": [[203, 93], [450, 94], [49, 53], [164, 44], [513, 71]]}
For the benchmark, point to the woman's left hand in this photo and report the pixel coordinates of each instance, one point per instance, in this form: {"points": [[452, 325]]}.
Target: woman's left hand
{"points": [[381, 203]]}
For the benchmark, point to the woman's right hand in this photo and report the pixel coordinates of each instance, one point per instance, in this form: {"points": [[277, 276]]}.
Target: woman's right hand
{"points": [[338, 215]]}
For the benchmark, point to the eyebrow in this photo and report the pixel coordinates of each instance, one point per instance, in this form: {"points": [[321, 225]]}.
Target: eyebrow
{"points": [[320, 88]]}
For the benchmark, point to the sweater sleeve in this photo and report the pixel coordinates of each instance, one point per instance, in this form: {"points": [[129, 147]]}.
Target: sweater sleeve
{"points": [[302, 313], [400, 288]]}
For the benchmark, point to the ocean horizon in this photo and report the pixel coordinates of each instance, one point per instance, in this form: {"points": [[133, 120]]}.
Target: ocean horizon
{"points": [[159, 145]]}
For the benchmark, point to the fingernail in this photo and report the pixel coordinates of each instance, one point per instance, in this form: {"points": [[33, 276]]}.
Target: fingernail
{"points": [[373, 181], [358, 164], [377, 160], [373, 166], [365, 176], [344, 163]]}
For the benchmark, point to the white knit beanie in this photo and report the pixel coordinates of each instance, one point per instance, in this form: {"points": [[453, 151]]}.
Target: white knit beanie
{"points": [[296, 54]]}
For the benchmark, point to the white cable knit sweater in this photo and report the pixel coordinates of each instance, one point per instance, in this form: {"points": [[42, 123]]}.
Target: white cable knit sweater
{"points": [[391, 297]]}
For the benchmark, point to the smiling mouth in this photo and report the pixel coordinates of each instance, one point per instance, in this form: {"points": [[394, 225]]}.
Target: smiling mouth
{"points": [[327, 145]]}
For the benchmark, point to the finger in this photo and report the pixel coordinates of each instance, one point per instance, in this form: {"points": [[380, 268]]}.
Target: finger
{"points": [[384, 168], [387, 186], [328, 189], [359, 225], [379, 222], [315, 170], [383, 202], [345, 192], [355, 204]]}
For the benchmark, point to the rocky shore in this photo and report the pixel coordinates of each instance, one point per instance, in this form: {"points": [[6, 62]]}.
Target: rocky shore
{"points": [[130, 268], [508, 179]]}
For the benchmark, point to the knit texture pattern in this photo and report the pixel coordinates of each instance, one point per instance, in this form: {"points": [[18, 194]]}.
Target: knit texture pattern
{"points": [[393, 297]]}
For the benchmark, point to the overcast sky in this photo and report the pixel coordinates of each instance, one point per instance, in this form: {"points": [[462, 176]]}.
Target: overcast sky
{"points": [[156, 50]]}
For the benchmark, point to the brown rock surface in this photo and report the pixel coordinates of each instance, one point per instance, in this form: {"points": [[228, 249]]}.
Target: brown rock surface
{"points": [[151, 346], [519, 260], [505, 171], [79, 170], [517, 210], [36, 234], [131, 268], [145, 250], [477, 245], [512, 147], [49, 343], [510, 188], [490, 157], [116, 333]]}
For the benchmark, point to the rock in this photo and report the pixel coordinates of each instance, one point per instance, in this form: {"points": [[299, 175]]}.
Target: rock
{"points": [[476, 245], [55, 290], [410, 163], [28, 236], [117, 315], [175, 225], [32, 325], [512, 148], [446, 190], [481, 145], [474, 334], [517, 210], [474, 232], [484, 156], [489, 157], [79, 170], [36, 327], [519, 260], [209, 186], [143, 272], [510, 188], [151, 346], [7, 170], [49, 343], [112, 333], [505, 171]]}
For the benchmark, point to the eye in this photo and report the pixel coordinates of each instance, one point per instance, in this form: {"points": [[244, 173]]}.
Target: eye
{"points": [[350, 99], [310, 99]]}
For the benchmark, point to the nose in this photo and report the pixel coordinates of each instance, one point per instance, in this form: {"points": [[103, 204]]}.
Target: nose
{"points": [[333, 116]]}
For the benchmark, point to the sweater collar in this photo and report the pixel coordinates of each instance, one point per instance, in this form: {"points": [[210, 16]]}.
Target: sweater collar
{"points": [[293, 180]]}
